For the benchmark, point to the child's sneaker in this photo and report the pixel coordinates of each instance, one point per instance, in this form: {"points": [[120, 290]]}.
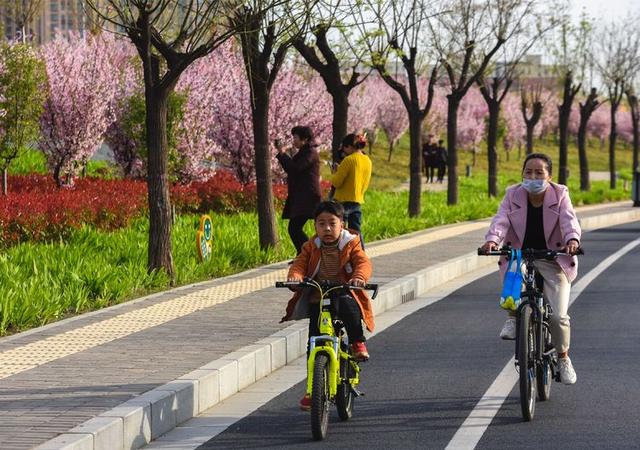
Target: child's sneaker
{"points": [[359, 351], [305, 403]]}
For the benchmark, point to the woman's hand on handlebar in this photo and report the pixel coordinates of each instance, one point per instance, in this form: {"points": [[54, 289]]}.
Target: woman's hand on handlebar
{"points": [[572, 247], [358, 282], [294, 279], [489, 246]]}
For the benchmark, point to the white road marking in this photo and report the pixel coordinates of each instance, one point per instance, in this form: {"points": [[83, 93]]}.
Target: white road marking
{"points": [[479, 419]]}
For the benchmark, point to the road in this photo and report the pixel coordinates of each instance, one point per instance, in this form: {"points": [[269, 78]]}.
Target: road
{"points": [[429, 370]]}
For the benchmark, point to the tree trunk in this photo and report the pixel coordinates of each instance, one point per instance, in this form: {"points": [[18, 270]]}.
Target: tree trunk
{"points": [[268, 232], [159, 256], [415, 162], [564, 111], [563, 145], [586, 109], [492, 147], [339, 121], [56, 174], [390, 151], [530, 128], [452, 154], [613, 135], [563, 130], [585, 184]]}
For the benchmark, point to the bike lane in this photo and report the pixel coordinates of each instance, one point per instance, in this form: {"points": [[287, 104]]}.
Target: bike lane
{"points": [[599, 411], [428, 371]]}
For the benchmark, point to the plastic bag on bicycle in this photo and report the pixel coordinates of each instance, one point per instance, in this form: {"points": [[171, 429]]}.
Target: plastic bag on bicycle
{"points": [[512, 283]]}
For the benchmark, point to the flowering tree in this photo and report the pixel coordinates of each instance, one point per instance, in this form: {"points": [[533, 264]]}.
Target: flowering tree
{"points": [[166, 48], [323, 40], [436, 122], [296, 98], [300, 99], [471, 124], [121, 141], [364, 103], [600, 124], [77, 110], [392, 117], [396, 34], [22, 87], [516, 129]]}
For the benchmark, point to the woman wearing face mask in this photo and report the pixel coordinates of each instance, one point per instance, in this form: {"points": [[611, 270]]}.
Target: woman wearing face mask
{"points": [[538, 214]]}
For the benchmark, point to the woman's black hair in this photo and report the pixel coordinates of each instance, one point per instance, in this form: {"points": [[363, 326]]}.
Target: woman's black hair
{"points": [[541, 156], [351, 140], [330, 207], [302, 132]]}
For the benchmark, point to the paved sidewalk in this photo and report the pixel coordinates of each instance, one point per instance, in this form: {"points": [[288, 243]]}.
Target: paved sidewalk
{"points": [[57, 377]]}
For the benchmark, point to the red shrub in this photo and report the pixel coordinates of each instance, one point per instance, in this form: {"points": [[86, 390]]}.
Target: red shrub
{"points": [[37, 210]]}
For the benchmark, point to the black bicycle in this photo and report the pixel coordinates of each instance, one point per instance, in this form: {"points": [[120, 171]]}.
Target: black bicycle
{"points": [[536, 358]]}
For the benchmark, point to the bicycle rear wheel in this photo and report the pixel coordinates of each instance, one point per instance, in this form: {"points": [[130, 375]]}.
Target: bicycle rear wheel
{"points": [[544, 375], [345, 397], [320, 397], [525, 353]]}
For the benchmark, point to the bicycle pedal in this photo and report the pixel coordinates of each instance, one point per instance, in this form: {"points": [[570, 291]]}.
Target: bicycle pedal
{"points": [[356, 392]]}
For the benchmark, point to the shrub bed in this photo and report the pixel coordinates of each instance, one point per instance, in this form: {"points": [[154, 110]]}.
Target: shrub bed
{"points": [[36, 210]]}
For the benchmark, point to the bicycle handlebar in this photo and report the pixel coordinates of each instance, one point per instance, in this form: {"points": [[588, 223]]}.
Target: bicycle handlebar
{"points": [[529, 252], [328, 285]]}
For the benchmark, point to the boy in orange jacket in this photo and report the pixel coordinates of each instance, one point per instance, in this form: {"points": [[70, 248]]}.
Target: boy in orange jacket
{"points": [[333, 254]]}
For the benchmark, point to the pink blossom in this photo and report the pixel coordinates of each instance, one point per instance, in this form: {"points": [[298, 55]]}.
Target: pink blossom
{"points": [[77, 111]]}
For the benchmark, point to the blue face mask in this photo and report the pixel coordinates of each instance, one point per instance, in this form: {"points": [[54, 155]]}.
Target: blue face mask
{"points": [[534, 186]]}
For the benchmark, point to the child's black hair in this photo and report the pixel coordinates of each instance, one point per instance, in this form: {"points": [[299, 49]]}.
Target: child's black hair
{"points": [[330, 207], [351, 140], [541, 156]]}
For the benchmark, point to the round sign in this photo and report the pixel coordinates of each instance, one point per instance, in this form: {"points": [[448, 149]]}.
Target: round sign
{"points": [[204, 236]]}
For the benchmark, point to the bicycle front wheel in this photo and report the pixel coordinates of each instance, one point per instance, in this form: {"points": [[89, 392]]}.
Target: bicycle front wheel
{"points": [[525, 353], [320, 397]]}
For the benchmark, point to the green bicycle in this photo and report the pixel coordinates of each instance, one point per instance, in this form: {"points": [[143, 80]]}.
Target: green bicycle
{"points": [[332, 373]]}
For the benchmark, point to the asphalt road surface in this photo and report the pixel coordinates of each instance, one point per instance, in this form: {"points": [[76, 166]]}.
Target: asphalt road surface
{"points": [[429, 370]]}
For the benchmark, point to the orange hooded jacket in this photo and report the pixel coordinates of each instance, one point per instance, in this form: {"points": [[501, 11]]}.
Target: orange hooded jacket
{"points": [[354, 263]]}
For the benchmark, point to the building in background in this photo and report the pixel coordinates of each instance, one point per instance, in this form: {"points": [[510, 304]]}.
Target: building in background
{"points": [[49, 18], [529, 70]]}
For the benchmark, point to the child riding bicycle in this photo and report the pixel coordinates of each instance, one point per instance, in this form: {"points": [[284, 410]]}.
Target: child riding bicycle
{"points": [[538, 214], [333, 254]]}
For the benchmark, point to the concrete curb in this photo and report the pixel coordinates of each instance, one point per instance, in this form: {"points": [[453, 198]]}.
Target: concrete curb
{"points": [[144, 418]]}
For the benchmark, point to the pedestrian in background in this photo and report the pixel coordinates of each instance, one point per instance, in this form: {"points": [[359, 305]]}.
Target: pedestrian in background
{"points": [[441, 160], [351, 180], [303, 183], [429, 158]]}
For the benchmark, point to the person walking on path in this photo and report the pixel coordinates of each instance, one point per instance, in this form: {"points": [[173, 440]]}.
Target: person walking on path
{"points": [[538, 214], [429, 158], [351, 180], [303, 183], [441, 160]]}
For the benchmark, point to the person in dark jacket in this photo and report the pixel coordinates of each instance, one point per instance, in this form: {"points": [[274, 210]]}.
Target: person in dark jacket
{"points": [[303, 183], [429, 158], [441, 160]]}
